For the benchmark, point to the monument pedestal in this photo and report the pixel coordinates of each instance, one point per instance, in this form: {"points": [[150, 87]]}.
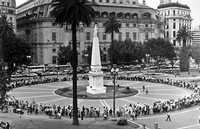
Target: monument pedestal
{"points": [[96, 85]]}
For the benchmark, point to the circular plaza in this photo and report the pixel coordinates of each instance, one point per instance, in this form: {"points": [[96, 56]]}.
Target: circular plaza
{"points": [[46, 94]]}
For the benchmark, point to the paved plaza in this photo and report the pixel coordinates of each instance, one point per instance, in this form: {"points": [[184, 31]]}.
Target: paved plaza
{"points": [[184, 119]]}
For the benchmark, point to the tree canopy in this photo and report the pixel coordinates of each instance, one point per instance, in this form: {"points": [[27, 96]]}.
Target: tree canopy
{"points": [[183, 35], [160, 49], [64, 55], [111, 26], [15, 52], [127, 52], [14, 49]]}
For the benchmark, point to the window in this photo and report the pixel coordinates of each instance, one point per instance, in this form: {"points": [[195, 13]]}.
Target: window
{"points": [[174, 42], [100, 0], [54, 59], [120, 36], [104, 36], [167, 26], [114, 1], [8, 4], [107, 1], [174, 12], [127, 35], [11, 19], [167, 34], [134, 2], [134, 35], [174, 34], [127, 24], [146, 25], [87, 35], [54, 50], [53, 36], [174, 25], [134, 25], [146, 36]]}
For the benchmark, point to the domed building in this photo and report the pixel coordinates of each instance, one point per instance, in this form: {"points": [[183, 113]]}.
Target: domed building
{"points": [[175, 16], [8, 8], [139, 22]]}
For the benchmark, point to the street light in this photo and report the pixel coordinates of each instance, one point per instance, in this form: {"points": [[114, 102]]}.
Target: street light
{"points": [[114, 72], [29, 72]]}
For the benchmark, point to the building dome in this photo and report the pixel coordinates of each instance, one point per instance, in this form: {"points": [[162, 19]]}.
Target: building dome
{"points": [[173, 5]]}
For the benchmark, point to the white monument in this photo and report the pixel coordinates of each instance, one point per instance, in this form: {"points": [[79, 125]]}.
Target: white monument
{"points": [[96, 85]]}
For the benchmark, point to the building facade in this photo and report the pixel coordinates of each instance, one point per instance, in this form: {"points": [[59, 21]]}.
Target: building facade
{"points": [[138, 23], [8, 8], [196, 37], [175, 15]]}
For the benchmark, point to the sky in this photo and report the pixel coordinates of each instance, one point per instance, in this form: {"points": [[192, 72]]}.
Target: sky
{"points": [[193, 4]]}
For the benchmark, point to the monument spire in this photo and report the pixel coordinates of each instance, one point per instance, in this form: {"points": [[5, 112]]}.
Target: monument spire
{"points": [[96, 60], [96, 85]]}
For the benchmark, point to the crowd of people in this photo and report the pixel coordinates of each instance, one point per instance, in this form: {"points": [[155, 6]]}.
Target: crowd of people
{"points": [[131, 110]]}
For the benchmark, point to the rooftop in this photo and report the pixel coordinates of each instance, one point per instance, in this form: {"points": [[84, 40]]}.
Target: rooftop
{"points": [[173, 5]]}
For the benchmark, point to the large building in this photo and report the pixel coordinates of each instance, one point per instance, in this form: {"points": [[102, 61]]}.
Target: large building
{"points": [[175, 16], [8, 8], [138, 23], [196, 37]]}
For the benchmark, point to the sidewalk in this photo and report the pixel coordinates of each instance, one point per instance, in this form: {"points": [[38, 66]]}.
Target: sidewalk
{"points": [[44, 122]]}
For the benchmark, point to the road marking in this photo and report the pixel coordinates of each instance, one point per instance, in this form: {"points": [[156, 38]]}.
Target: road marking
{"points": [[107, 105], [104, 103], [190, 126], [141, 126], [101, 102]]}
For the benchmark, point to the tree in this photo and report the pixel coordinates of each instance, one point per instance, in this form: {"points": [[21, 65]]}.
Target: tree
{"points": [[16, 52], [111, 26], [64, 55], [183, 36], [160, 49], [196, 54], [13, 51], [73, 12], [127, 52], [6, 32]]}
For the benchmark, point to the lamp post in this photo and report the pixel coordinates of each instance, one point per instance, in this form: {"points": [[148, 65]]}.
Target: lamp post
{"points": [[29, 61], [114, 72]]}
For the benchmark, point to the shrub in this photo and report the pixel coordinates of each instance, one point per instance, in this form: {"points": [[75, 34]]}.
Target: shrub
{"points": [[122, 121]]}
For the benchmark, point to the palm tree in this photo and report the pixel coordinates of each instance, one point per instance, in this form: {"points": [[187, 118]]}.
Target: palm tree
{"points": [[73, 12], [184, 35], [111, 26]]}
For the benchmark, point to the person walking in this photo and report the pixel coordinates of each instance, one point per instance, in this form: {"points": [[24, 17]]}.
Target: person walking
{"points": [[168, 117]]}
